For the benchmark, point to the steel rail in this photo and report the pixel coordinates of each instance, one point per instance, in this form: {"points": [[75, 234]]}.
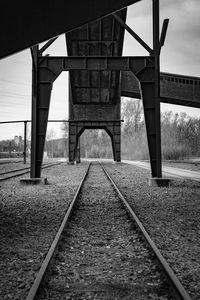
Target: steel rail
{"points": [[25, 172], [9, 162], [13, 171], [178, 290], [41, 274]]}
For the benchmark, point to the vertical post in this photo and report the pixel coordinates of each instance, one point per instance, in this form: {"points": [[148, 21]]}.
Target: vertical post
{"points": [[156, 50], [78, 152], [25, 133], [10, 149], [34, 53]]}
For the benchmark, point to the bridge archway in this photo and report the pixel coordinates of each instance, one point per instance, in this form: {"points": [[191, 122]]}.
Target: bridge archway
{"points": [[94, 143], [77, 130]]}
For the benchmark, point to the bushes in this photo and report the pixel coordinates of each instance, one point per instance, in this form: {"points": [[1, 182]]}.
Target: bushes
{"points": [[180, 133], [174, 153]]}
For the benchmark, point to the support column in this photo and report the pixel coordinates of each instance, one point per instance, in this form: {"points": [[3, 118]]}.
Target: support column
{"points": [[72, 141], [117, 141], [149, 78], [150, 115], [113, 148], [34, 53], [114, 132], [156, 49], [78, 152], [41, 93]]}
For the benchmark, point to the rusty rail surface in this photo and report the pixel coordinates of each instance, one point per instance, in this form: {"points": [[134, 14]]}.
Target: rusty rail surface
{"points": [[42, 272], [177, 288], [25, 172]]}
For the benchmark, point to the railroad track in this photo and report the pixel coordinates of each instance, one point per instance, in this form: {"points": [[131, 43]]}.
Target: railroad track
{"points": [[5, 162], [18, 172], [102, 251]]}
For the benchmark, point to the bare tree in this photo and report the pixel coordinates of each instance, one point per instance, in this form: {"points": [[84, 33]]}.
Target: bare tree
{"points": [[132, 114]]}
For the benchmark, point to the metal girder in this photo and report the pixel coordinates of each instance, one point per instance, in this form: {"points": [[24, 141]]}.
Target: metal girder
{"points": [[147, 86], [126, 63], [145, 69], [154, 141], [47, 69], [77, 127], [41, 94], [133, 33], [27, 23]]}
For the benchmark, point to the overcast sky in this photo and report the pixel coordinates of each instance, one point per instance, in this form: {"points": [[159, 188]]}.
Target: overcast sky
{"points": [[179, 55]]}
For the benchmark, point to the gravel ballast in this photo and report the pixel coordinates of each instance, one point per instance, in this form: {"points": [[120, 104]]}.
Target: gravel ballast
{"points": [[31, 215], [102, 255], [29, 219], [171, 217]]}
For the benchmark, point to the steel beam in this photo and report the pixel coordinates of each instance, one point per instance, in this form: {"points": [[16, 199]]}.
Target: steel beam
{"points": [[156, 148], [41, 92], [58, 64], [25, 24], [78, 152], [77, 127], [34, 53], [45, 71], [142, 43], [149, 79], [164, 32]]}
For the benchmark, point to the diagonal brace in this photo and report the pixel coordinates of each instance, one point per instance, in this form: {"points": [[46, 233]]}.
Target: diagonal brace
{"points": [[133, 33], [51, 41], [164, 32]]}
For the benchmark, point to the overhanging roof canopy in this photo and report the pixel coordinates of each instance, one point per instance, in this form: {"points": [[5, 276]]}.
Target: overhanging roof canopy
{"points": [[26, 23]]}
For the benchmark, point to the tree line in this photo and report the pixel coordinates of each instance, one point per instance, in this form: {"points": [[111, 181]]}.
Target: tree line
{"points": [[180, 135]]}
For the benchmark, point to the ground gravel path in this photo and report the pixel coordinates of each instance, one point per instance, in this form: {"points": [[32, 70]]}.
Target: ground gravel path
{"points": [[102, 256], [170, 215], [29, 219], [193, 166]]}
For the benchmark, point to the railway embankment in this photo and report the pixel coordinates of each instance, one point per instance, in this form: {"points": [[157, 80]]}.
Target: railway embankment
{"points": [[29, 216]]}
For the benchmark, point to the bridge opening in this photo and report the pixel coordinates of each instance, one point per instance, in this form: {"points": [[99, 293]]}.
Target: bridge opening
{"points": [[95, 143], [133, 132]]}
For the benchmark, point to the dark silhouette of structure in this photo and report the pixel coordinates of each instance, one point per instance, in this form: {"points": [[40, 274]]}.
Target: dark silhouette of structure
{"points": [[99, 75]]}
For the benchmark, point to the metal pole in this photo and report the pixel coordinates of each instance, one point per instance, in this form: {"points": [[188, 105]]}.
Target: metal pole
{"points": [[156, 48], [34, 52], [25, 131]]}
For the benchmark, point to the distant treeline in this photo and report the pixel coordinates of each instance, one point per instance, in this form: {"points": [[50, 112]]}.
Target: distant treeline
{"points": [[180, 135]]}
